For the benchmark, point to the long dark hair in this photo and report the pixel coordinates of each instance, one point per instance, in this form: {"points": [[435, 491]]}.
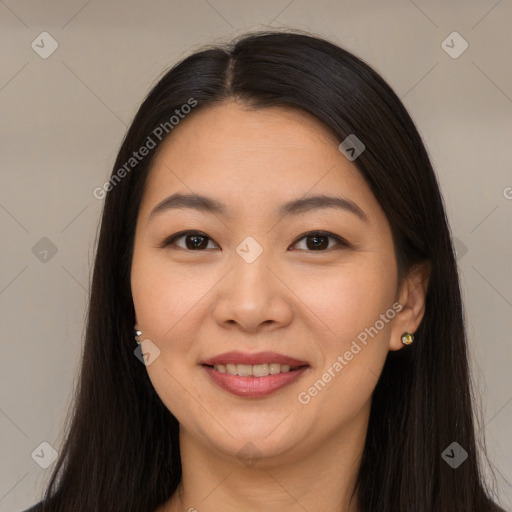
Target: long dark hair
{"points": [[121, 450]]}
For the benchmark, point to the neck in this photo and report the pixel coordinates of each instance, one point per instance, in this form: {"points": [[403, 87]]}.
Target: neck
{"points": [[313, 478]]}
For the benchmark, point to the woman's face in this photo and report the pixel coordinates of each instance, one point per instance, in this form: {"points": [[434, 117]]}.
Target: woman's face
{"points": [[248, 279]]}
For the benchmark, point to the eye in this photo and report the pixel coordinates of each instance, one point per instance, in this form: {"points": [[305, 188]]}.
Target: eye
{"points": [[319, 241], [198, 241], [194, 240]]}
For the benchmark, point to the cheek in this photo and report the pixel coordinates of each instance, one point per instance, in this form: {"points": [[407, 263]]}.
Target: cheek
{"points": [[354, 305], [348, 299], [355, 339], [165, 302], [165, 298]]}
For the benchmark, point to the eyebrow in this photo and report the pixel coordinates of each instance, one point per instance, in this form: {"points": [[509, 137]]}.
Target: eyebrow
{"points": [[295, 207]]}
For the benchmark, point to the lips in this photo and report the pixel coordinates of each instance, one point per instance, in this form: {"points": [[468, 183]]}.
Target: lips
{"points": [[253, 359], [252, 386]]}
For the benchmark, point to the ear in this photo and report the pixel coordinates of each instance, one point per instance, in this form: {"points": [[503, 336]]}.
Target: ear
{"points": [[411, 297]]}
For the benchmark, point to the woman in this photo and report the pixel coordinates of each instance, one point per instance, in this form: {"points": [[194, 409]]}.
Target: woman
{"points": [[275, 319]]}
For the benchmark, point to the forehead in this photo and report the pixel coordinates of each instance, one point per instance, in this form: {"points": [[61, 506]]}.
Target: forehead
{"points": [[235, 135], [240, 120], [252, 156]]}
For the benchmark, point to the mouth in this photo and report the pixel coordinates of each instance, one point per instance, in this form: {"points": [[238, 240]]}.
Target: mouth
{"points": [[254, 370], [253, 375]]}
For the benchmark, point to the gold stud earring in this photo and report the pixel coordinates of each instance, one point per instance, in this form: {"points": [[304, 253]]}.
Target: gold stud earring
{"points": [[407, 338]]}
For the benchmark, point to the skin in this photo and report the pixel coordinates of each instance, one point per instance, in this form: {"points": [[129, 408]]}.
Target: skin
{"points": [[305, 303]]}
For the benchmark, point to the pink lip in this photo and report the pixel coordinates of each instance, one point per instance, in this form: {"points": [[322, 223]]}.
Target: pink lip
{"points": [[258, 358], [253, 387]]}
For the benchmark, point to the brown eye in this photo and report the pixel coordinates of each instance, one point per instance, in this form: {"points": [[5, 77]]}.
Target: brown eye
{"points": [[194, 240], [319, 241]]}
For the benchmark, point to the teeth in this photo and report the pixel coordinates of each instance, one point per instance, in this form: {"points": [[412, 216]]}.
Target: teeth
{"points": [[245, 370], [274, 368], [256, 370], [260, 370], [231, 368]]}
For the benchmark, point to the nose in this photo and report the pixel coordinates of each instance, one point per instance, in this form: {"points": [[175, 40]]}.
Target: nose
{"points": [[253, 297]]}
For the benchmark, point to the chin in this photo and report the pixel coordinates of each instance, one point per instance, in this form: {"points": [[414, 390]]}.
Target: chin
{"points": [[249, 445]]}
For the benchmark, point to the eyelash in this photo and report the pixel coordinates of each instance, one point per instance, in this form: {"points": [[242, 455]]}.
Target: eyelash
{"points": [[341, 242]]}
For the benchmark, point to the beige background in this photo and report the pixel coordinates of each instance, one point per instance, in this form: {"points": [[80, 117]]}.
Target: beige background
{"points": [[63, 118]]}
